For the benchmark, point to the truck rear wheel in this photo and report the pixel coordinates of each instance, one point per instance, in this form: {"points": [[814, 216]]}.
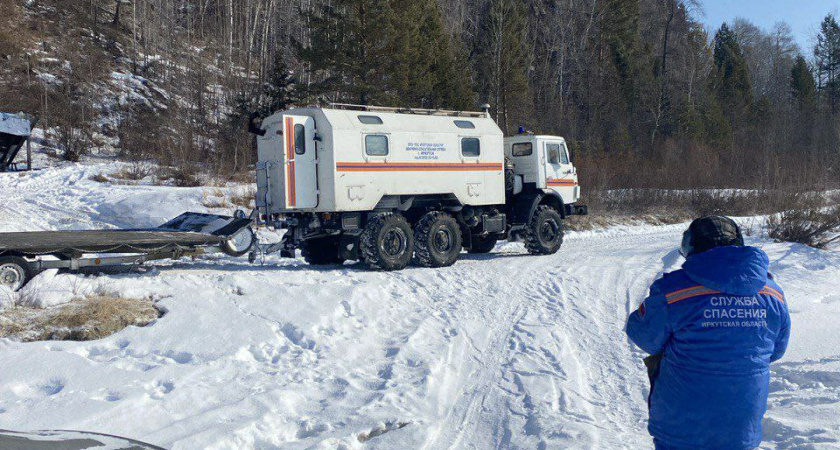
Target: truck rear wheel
{"points": [[544, 235], [482, 245], [322, 251], [15, 272], [387, 242], [437, 240]]}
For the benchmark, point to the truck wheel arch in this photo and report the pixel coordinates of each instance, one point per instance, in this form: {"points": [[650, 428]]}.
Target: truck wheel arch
{"points": [[525, 205], [553, 200]]}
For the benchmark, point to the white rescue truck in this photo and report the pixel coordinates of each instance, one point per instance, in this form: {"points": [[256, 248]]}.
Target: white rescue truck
{"points": [[388, 185]]}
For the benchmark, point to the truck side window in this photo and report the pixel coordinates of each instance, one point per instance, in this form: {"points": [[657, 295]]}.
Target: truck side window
{"points": [[553, 153], [564, 154], [464, 124], [523, 149], [300, 139], [370, 120], [470, 147], [376, 145]]}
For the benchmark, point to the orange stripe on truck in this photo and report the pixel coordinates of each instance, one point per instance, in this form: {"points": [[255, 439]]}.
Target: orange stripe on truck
{"points": [[290, 167], [565, 182], [417, 167]]}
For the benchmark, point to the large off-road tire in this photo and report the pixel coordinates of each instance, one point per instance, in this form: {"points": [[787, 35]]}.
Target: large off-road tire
{"points": [[437, 240], [481, 245], [387, 242], [544, 235], [322, 251], [15, 272]]}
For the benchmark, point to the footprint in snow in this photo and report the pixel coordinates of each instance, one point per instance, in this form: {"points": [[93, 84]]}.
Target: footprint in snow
{"points": [[161, 389], [52, 387]]}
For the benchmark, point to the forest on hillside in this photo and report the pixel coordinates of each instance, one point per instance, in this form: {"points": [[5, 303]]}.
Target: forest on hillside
{"points": [[644, 94]]}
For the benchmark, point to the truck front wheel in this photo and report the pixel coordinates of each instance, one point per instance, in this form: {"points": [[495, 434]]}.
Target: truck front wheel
{"points": [[544, 235], [437, 240], [387, 242]]}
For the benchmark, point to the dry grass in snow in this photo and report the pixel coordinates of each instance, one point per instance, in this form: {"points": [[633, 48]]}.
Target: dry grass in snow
{"points": [[83, 319]]}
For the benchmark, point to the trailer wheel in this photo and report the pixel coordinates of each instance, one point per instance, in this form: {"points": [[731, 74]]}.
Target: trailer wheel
{"points": [[437, 240], [322, 251], [15, 272], [240, 243], [387, 243], [544, 235], [482, 245]]}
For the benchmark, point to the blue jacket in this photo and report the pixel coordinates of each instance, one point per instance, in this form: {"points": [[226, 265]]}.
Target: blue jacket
{"points": [[719, 322]]}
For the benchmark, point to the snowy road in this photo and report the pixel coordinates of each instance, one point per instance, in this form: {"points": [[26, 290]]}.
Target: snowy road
{"points": [[499, 351]]}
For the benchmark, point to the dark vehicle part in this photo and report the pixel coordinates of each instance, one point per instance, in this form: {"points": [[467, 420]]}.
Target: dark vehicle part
{"points": [[322, 251], [255, 124], [437, 240], [481, 245], [580, 210], [387, 242], [544, 234]]}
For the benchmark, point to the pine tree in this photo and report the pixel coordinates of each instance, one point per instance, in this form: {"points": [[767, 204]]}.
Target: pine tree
{"points": [[731, 80], [620, 25], [827, 53], [426, 71], [280, 89], [348, 51], [503, 63], [802, 85]]}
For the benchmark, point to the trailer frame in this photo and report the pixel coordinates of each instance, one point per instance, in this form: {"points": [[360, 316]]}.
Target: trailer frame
{"points": [[190, 235]]}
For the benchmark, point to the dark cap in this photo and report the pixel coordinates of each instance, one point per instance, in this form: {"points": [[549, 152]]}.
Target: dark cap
{"points": [[709, 232]]}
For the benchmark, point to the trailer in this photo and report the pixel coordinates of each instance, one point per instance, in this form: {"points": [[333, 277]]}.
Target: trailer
{"points": [[24, 255], [389, 186]]}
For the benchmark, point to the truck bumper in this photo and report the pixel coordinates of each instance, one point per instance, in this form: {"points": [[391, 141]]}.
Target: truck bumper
{"points": [[580, 210]]}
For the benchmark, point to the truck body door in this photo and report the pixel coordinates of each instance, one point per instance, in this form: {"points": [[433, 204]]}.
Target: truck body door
{"points": [[270, 157], [560, 174], [301, 162]]}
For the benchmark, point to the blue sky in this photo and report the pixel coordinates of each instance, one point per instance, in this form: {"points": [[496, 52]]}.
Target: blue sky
{"points": [[804, 16]]}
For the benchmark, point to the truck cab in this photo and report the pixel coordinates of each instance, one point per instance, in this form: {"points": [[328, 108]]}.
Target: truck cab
{"points": [[543, 164]]}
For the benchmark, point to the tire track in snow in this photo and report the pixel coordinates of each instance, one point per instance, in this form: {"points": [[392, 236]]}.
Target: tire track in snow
{"points": [[561, 378]]}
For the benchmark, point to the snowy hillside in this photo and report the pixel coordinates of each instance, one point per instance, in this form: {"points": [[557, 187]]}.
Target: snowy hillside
{"points": [[499, 351]]}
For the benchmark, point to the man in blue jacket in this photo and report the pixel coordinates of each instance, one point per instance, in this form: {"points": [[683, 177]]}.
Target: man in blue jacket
{"points": [[715, 326]]}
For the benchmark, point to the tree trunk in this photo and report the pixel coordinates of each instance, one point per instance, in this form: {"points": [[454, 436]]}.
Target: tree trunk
{"points": [[116, 20]]}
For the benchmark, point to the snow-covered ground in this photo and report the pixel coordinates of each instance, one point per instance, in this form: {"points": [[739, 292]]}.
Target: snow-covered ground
{"points": [[499, 351]]}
